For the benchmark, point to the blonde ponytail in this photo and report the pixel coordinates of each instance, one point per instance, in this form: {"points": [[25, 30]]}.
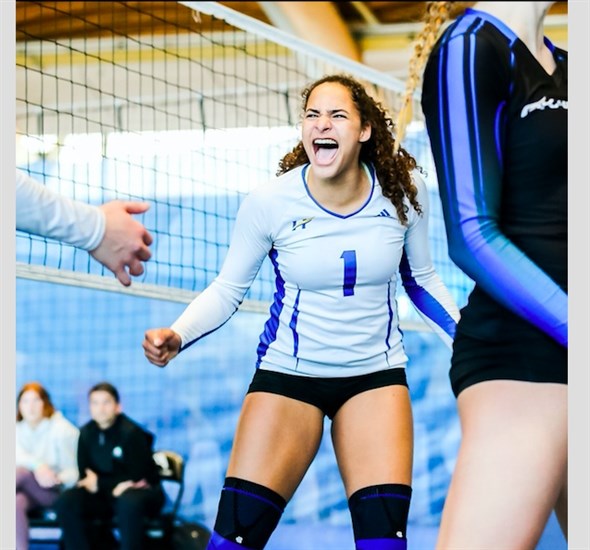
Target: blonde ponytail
{"points": [[436, 14]]}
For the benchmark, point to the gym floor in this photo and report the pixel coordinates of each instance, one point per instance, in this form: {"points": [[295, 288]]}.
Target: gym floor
{"points": [[289, 536]]}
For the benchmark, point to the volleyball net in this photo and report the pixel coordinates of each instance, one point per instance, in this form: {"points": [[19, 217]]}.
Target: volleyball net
{"points": [[187, 107]]}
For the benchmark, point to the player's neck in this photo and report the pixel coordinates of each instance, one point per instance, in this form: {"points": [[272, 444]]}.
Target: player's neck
{"points": [[343, 194], [526, 20]]}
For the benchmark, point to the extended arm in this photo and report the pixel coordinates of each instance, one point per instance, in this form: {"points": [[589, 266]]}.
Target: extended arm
{"points": [[212, 308], [109, 232], [41, 211]]}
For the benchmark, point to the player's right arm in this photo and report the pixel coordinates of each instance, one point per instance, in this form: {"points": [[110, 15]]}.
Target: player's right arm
{"points": [[213, 307]]}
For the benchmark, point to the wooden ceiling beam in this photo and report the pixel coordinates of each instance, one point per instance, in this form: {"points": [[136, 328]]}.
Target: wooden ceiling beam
{"points": [[320, 23]]}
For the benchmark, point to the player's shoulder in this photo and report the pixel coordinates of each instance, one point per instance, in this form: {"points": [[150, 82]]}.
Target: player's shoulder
{"points": [[287, 186], [419, 182], [422, 197]]}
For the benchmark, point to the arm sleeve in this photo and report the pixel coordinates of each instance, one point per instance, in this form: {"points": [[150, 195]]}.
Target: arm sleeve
{"points": [[139, 457], [44, 212], [466, 85], [25, 459], [67, 446], [83, 454], [249, 246], [423, 285]]}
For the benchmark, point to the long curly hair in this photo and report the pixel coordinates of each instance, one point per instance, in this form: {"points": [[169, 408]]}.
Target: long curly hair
{"points": [[393, 168]]}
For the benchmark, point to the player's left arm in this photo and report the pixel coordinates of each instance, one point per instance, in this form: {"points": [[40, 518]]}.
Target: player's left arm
{"points": [[425, 288]]}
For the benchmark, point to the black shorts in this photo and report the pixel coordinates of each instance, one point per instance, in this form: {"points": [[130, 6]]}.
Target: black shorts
{"points": [[327, 394], [528, 356]]}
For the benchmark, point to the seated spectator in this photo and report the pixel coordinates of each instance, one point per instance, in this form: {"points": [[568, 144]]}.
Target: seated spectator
{"points": [[46, 445], [118, 477]]}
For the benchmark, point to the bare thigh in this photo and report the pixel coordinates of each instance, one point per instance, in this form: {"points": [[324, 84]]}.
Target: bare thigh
{"points": [[275, 442], [511, 466], [373, 438]]}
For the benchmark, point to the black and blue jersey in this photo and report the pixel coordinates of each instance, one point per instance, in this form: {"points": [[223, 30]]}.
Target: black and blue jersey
{"points": [[497, 123]]}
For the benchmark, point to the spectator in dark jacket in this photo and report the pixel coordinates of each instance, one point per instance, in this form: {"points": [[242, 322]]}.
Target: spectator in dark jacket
{"points": [[118, 477]]}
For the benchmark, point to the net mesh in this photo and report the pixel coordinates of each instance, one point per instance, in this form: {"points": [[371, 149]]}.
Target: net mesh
{"points": [[180, 108]]}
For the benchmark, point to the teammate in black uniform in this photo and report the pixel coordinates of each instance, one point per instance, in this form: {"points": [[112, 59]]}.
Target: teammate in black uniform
{"points": [[495, 101], [117, 476]]}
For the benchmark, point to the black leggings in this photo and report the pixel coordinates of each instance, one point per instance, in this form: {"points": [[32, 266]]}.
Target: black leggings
{"points": [[76, 508]]}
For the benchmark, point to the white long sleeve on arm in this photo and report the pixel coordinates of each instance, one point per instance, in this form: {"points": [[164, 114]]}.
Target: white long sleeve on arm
{"points": [[249, 246], [422, 283], [25, 458], [67, 451], [44, 212], [53, 442]]}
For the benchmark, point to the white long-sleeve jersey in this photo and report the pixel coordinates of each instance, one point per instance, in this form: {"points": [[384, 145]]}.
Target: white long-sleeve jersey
{"points": [[334, 310], [41, 211], [54, 442]]}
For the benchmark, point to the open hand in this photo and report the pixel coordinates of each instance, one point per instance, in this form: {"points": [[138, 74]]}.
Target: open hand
{"points": [[46, 477], [126, 241]]}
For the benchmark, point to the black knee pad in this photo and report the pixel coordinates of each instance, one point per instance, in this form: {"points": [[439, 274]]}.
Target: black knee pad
{"points": [[380, 511], [248, 513]]}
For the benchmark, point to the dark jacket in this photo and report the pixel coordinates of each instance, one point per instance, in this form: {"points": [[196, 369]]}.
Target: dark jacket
{"points": [[120, 453]]}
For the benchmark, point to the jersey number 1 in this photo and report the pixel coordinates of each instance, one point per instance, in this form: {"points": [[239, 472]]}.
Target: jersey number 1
{"points": [[349, 257]]}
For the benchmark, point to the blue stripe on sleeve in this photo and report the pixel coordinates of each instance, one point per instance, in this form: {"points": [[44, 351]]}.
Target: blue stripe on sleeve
{"points": [[424, 301], [476, 243]]}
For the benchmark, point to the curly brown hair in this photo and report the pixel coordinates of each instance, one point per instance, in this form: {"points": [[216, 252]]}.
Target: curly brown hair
{"points": [[393, 169]]}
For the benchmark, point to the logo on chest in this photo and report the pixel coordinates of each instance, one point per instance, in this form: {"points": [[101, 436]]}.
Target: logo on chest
{"points": [[543, 104], [302, 223]]}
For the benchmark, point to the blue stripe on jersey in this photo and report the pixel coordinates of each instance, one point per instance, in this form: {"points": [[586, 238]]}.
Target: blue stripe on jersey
{"points": [[512, 62], [484, 16], [474, 128], [293, 324], [475, 241], [498, 130], [390, 319], [272, 324], [189, 344], [424, 301]]}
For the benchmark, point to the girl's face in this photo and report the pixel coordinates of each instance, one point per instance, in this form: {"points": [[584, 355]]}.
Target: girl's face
{"points": [[31, 407], [331, 134]]}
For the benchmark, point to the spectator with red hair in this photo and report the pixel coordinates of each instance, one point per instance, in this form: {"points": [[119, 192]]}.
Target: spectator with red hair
{"points": [[46, 444]]}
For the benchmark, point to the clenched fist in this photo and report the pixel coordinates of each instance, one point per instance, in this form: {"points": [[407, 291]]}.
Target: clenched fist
{"points": [[161, 345]]}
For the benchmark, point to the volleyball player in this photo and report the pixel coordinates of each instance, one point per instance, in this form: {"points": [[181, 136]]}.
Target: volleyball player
{"points": [[344, 217], [495, 102]]}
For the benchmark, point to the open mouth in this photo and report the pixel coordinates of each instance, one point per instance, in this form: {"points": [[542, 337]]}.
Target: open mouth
{"points": [[325, 149]]}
